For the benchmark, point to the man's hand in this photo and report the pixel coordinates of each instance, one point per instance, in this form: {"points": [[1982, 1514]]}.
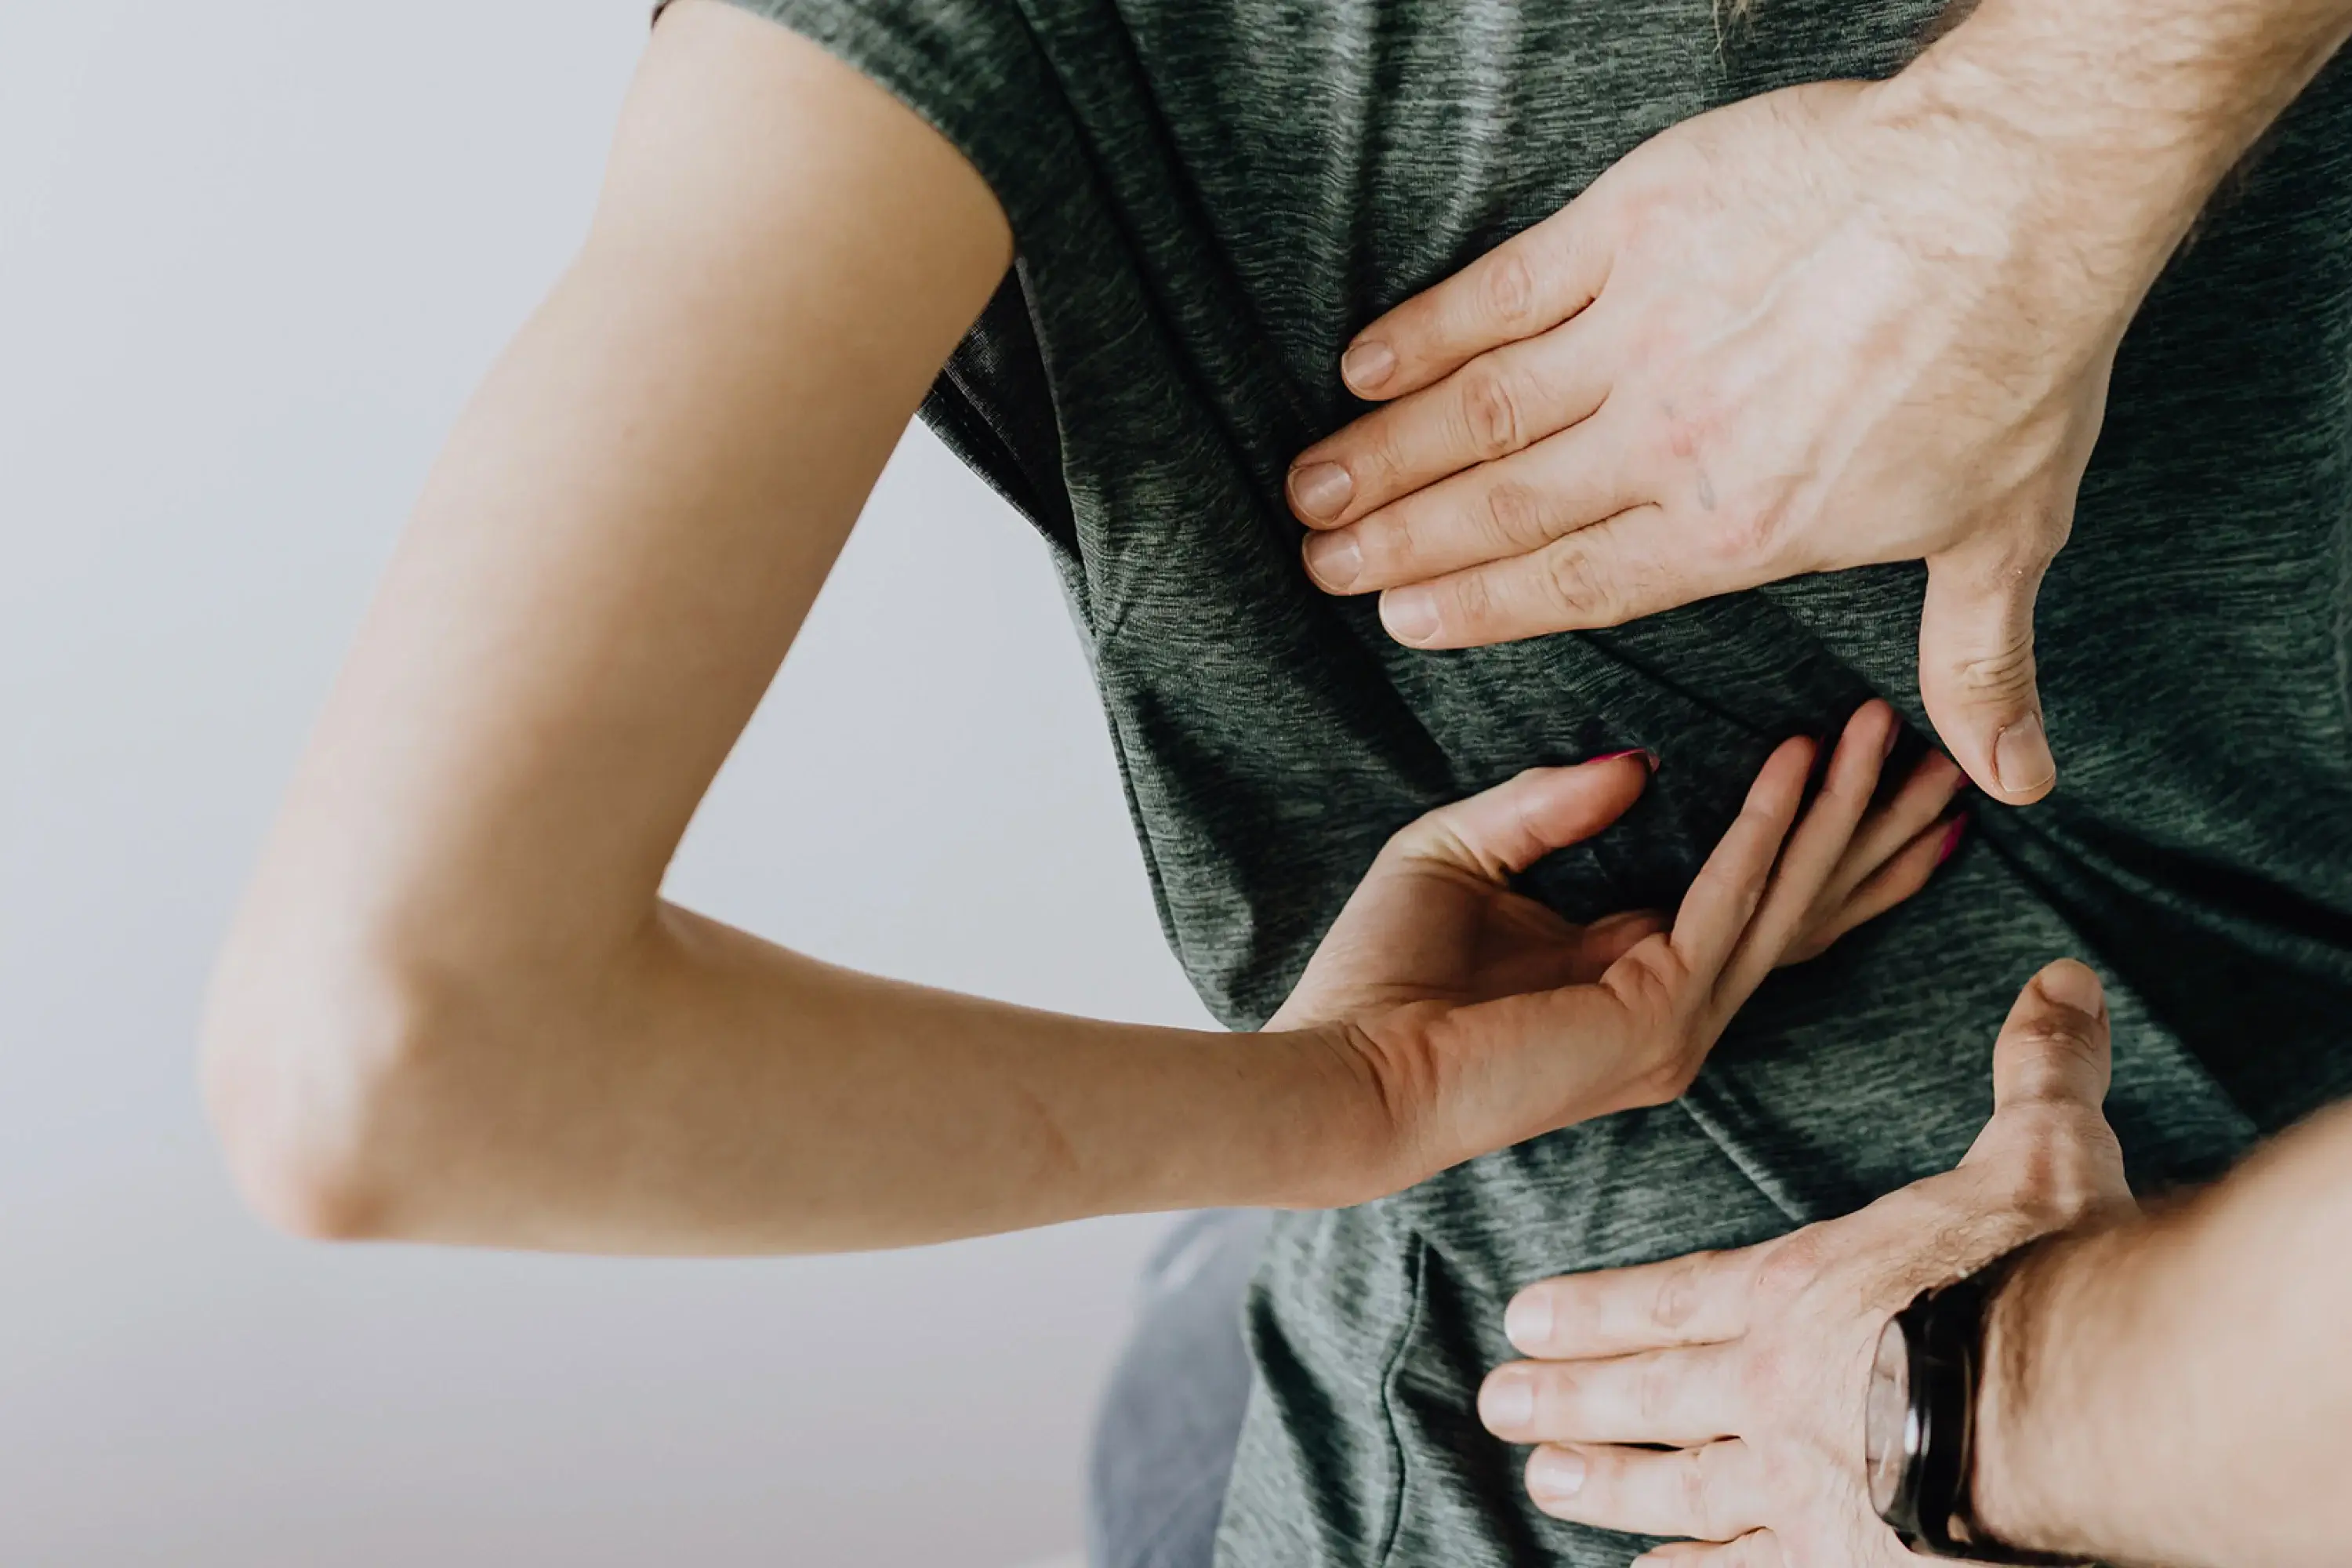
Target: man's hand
{"points": [[1481, 1018], [1837, 325], [1791, 335], [1751, 1365]]}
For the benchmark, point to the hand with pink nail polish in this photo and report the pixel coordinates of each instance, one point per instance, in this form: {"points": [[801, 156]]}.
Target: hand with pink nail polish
{"points": [[1484, 1018]]}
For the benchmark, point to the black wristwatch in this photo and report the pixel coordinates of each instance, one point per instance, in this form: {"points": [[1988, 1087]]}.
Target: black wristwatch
{"points": [[1918, 1426]]}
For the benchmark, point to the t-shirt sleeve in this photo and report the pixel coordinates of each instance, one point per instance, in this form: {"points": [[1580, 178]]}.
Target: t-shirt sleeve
{"points": [[972, 68]]}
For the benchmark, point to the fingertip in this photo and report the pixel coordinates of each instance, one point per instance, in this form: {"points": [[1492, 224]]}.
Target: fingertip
{"points": [[1335, 561], [2023, 770], [1367, 367], [1791, 763], [1950, 844], [1527, 1321], [1411, 614], [2072, 984]]}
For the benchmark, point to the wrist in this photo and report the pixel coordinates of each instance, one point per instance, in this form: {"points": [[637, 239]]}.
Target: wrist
{"points": [[2113, 127], [1354, 1140], [2021, 1420]]}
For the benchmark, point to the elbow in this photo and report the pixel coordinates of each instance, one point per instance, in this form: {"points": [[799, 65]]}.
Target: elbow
{"points": [[312, 1067]]}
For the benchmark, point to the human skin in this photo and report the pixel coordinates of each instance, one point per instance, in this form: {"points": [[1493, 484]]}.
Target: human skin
{"points": [[1750, 1366], [2165, 1388], [1834, 325], [2218, 1323], [453, 1005]]}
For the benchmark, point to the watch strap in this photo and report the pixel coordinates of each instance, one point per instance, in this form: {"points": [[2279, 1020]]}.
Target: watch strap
{"points": [[1944, 1333]]}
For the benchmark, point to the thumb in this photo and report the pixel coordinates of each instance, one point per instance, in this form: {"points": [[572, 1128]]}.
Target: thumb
{"points": [[1502, 831], [1976, 672], [2050, 1068], [2054, 1044]]}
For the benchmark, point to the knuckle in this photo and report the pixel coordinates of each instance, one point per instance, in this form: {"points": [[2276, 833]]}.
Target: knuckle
{"points": [[1392, 550], [1791, 1266], [1509, 292], [1578, 587], [1490, 411], [1694, 1491], [1378, 457], [1474, 604], [1654, 1391], [1677, 1298], [1753, 532], [1516, 515], [2058, 1052], [2005, 674]]}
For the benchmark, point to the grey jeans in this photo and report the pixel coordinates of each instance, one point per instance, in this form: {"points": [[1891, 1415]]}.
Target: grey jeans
{"points": [[1171, 1416]]}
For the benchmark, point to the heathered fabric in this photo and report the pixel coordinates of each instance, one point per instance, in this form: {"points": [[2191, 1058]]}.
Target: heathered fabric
{"points": [[1208, 198]]}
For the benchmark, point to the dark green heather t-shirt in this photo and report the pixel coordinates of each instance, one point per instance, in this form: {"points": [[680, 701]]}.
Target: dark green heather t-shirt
{"points": [[1208, 198]]}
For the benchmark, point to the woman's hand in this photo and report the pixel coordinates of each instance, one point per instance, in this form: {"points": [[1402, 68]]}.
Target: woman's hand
{"points": [[1482, 1018], [1818, 329]]}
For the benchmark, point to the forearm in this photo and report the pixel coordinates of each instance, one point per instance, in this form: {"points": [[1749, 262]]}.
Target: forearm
{"points": [[706, 1091], [2175, 1391], [2114, 120], [453, 1005]]}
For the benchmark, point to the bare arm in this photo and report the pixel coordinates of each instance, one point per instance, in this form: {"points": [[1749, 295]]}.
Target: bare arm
{"points": [[454, 1006], [2178, 1390]]}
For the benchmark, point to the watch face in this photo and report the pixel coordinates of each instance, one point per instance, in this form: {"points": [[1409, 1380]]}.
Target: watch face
{"points": [[1887, 1441]]}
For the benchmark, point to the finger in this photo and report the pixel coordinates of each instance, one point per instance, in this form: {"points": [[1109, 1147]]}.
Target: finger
{"points": [[1906, 872], [1636, 563], [2051, 1068], [1528, 284], [1724, 897], [1610, 938], [1502, 831], [1698, 1298], [1890, 831], [1813, 853], [1757, 1549], [2054, 1044], [1506, 509], [1684, 1396], [1976, 673], [1713, 1492], [1501, 402]]}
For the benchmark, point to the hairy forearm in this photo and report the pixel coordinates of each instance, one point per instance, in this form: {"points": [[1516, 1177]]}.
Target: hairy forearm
{"points": [[2177, 1390], [2112, 121]]}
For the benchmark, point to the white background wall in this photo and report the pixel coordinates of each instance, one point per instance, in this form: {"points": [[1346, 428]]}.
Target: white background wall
{"points": [[252, 258]]}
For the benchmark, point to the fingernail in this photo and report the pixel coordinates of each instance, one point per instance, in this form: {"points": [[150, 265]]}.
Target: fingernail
{"points": [[1508, 1403], [2075, 986], [1321, 490], [1334, 560], [1647, 756], [1366, 365], [1410, 613], [1894, 735], [1555, 1474], [1952, 835], [1526, 1321], [2020, 757]]}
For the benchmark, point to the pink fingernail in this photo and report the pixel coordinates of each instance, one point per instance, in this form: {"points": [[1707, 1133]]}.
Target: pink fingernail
{"points": [[1644, 753], [1952, 839]]}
